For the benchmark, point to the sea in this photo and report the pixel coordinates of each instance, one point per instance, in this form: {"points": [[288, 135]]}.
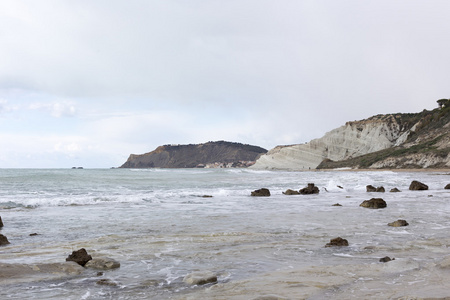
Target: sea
{"points": [[163, 224]]}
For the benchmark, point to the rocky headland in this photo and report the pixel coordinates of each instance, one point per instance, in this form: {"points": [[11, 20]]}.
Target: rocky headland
{"points": [[394, 141], [219, 154]]}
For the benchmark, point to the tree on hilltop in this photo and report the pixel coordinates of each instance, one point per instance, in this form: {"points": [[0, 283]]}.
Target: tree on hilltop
{"points": [[443, 102]]}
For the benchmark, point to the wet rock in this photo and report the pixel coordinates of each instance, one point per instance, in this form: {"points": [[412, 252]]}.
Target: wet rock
{"points": [[418, 186], [107, 282], [81, 257], [337, 242], [102, 264], [340, 187], [291, 192], [372, 189], [386, 259], [395, 190], [207, 196], [310, 189], [1, 222], [398, 223], [200, 278], [380, 189], [3, 240], [261, 193], [447, 187], [33, 234], [337, 204], [374, 203]]}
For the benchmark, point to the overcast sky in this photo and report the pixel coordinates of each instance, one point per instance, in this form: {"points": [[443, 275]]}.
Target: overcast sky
{"points": [[87, 82]]}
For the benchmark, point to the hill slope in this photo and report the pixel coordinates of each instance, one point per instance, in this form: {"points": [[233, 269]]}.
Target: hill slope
{"points": [[418, 140], [191, 156]]}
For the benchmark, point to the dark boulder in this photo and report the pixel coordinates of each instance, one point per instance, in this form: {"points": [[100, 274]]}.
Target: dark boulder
{"points": [[386, 259], [337, 204], [372, 189], [447, 187], [261, 193], [337, 242], [1, 222], [374, 203], [291, 192], [395, 190], [310, 189], [398, 223], [3, 240], [418, 186], [81, 257], [380, 189]]}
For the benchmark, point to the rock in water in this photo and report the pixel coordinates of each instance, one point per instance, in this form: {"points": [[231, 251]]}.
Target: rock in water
{"points": [[200, 278], [372, 189], [1, 222], [81, 257], [3, 240], [395, 190], [418, 186], [291, 192], [374, 203], [103, 264], [398, 223], [261, 193], [337, 242], [386, 259], [447, 187], [310, 189]]}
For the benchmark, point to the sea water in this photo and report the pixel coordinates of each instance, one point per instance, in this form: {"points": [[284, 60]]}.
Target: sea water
{"points": [[162, 224]]}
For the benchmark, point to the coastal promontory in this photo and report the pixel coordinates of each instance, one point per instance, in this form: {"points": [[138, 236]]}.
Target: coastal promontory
{"points": [[210, 154]]}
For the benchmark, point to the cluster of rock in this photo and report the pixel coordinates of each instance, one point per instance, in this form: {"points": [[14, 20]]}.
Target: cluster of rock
{"points": [[308, 190], [82, 258], [377, 203]]}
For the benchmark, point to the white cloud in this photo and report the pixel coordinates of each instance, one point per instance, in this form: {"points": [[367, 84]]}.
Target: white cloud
{"points": [[56, 109]]}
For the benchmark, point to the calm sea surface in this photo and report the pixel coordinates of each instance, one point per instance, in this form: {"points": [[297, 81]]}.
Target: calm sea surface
{"points": [[158, 225]]}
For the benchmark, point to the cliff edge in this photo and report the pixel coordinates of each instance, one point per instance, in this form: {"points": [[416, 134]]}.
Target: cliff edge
{"points": [[419, 140]]}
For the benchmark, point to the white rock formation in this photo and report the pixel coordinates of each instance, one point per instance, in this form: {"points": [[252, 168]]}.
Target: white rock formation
{"points": [[351, 140]]}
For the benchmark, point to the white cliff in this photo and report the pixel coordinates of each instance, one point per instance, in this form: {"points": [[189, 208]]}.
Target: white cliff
{"points": [[351, 140]]}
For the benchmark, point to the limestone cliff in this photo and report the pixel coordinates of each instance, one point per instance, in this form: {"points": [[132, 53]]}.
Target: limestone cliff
{"points": [[213, 154], [343, 146]]}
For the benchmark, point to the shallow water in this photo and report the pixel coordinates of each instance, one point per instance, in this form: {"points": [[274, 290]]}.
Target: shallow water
{"points": [[160, 228]]}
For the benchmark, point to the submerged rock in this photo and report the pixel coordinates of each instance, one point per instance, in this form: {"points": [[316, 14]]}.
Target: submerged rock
{"points": [[3, 240], [200, 278], [291, 192], [386, 259], [310, 189], [374, 203], [337, 204], [398, 223], [102, 264], [418, 186], [395, 190], [81, 257], [447, 187], [337, 242], [107, 282], [1, 222], [261, 193]]}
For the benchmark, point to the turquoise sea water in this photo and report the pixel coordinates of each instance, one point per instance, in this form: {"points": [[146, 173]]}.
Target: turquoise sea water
{"points": [[159, 226]]}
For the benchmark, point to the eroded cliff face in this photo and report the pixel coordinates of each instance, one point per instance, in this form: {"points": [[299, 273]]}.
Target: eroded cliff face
{"points": [[351, 140]]}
